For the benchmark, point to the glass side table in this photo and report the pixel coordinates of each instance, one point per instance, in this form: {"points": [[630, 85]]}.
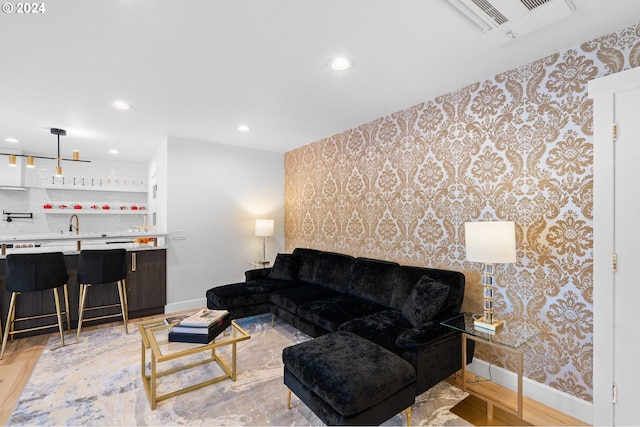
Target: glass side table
{"points": [[509, 338]]}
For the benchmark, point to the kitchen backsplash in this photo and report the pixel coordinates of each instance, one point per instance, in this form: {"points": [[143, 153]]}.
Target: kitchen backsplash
{"points": [[107, 196]]}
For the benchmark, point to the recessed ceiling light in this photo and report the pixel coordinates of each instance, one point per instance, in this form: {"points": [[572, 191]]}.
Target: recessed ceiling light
{"points": [[339, 64], [114, 151], [244, 128], [121, 105], [12, 140]]}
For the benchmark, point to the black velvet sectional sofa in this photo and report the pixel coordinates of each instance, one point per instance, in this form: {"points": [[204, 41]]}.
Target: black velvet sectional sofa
{"points": [[396, 307]]}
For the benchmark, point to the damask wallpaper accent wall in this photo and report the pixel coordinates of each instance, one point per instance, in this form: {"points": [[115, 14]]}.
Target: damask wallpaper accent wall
{"points": [[517, 147]]}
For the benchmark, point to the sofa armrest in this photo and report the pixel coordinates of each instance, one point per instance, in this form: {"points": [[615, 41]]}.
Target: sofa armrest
{"points": [[257, 274], [423, 335]]}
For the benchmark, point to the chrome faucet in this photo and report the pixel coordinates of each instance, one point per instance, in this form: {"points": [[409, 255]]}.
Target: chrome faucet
{"points": [[77, 226]]}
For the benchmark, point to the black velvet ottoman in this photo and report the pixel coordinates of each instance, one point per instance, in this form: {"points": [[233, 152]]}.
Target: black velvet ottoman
{"points": [[347, 380]]}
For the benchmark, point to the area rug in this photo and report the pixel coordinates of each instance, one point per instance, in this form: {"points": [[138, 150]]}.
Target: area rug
{"points": [[97, 383]]}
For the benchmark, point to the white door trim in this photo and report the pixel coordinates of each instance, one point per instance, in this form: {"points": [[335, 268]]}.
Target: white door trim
{"points": [[602, 92]]}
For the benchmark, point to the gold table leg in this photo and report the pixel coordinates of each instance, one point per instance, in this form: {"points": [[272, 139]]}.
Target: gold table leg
{"points": [[233, 362], [154, 401]]}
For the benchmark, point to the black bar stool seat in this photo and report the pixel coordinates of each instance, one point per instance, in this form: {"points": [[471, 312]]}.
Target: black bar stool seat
{"points": [[101, 267], [35, 273]]}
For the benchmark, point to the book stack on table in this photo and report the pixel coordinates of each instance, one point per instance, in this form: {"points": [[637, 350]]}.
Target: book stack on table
{"points": [[201, 327]]}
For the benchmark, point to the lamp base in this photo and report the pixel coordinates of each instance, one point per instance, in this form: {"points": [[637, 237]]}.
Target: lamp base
{"points": [[481, 324]]}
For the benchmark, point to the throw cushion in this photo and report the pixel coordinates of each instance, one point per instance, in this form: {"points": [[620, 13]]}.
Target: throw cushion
{"points": [[285, 267], [425, 300]]}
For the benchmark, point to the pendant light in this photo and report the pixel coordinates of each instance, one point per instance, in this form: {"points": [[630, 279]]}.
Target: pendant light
{"points": [[31, 157], [58, 132]]}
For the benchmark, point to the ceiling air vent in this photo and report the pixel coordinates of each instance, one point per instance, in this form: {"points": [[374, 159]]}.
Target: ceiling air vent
{"points": [[500, 21]]}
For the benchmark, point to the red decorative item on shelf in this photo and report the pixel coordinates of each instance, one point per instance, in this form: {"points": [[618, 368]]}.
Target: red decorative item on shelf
{"points": [[94, 206], [77, 207], [106, 207], [123, 207], [47, 206], [134, 208], [62, 206]]}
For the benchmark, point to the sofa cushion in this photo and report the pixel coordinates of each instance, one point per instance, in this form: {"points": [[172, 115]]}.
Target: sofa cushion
{"points": [[423, 335], [307, 268], [454, 279], [285, 267], [333, 270], [425, 300], [330, 313], [344, 371], [375, 280], [292, 298], [382, 328], [410, 276], [246, 293]]}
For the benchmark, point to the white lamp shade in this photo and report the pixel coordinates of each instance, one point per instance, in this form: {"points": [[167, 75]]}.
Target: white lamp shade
{"points": [[264, 227], [490, 242]]}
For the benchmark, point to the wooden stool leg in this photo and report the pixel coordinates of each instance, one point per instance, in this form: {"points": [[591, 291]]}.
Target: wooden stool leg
{"points": [[83, 297], [56, 297], [9, 325]]}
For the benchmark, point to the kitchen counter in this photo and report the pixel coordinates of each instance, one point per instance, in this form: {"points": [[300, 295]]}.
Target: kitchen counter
{"points": [[71, 243]]}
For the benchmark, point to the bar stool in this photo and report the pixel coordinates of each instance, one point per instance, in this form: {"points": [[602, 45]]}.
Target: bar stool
{"points": [[35, 273], [98, 267]]}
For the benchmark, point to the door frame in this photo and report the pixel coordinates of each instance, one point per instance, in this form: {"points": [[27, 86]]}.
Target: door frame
{"points": [[602, 92]]}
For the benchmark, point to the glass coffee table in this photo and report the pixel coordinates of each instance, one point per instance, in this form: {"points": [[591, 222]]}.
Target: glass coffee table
{"points": [[508, 338], [155, 339]]}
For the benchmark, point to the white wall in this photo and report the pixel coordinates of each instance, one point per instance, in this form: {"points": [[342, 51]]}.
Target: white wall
{"points": [[214, 194]]}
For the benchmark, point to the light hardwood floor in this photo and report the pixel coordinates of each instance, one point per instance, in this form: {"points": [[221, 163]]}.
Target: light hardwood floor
{"points": [[21, 356], [535, 413]]}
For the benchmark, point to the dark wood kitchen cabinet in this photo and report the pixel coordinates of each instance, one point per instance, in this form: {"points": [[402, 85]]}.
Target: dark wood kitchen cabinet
{"points": [[146, 292], [147, 282]]}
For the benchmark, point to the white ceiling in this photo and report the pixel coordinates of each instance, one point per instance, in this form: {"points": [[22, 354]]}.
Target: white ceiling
{"points": [[197, 69]]}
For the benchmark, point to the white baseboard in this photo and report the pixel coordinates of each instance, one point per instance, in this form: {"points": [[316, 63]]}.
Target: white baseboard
{"points": [[542, 393], [185, 305]]}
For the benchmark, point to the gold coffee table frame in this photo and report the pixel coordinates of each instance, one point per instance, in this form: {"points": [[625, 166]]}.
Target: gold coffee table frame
{"points": [[154, 335]]}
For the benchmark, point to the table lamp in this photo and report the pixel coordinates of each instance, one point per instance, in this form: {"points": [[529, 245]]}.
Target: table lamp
{"points": [[490, 242], [264, 229]]}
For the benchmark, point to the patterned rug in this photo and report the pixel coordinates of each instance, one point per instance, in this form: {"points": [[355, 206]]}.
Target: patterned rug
{"points": [[97, 383]]}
